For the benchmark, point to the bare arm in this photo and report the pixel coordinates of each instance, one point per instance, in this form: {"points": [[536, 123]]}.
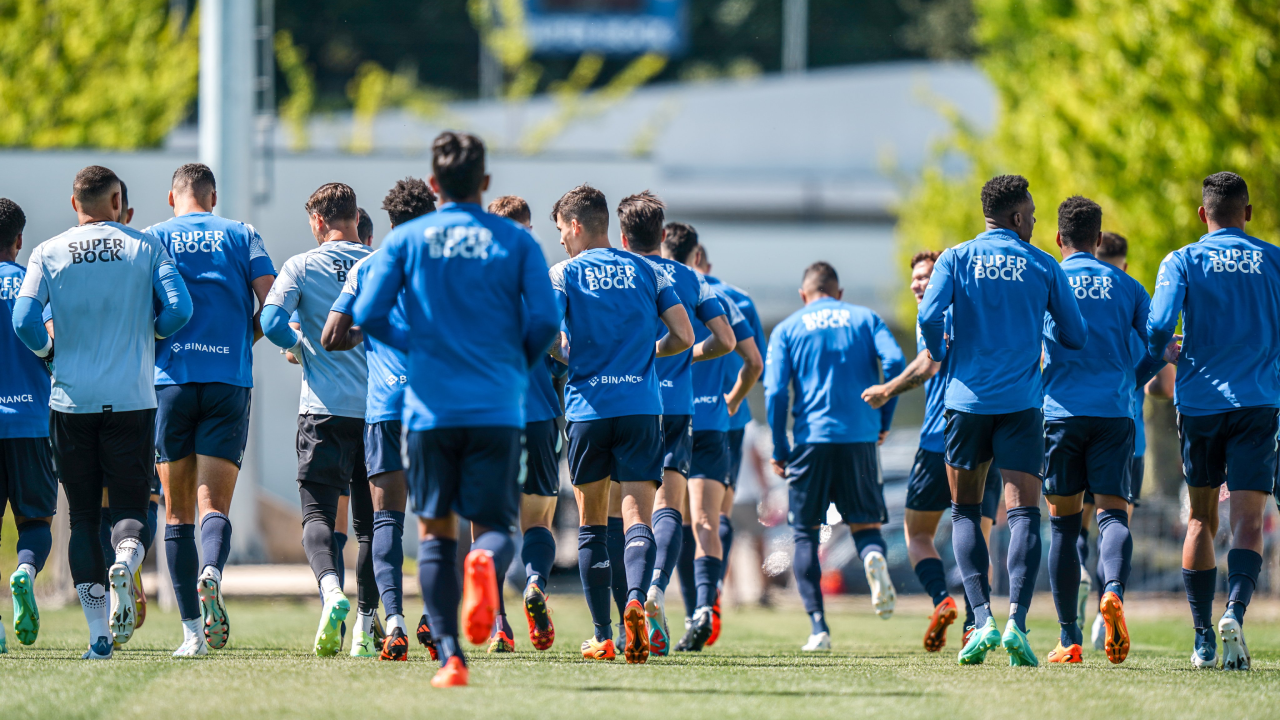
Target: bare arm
{"points": [[559, 349], [720, 343], [261, 286], [920, 370], [679, 335], [748, 374], [1161, 385], [340, 333], [288, 355]]}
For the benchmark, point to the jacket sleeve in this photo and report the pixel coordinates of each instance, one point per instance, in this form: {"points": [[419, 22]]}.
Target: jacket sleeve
{"points": [[933, 308]]}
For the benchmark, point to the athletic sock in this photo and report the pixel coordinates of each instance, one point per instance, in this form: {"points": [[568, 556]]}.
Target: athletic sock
{"points": [[1082, 543], [538, 553], [726, 544], [192, 628], [1243, 567], [329, 585], [1064, 573], [868, 541], [153, 522], [388, 559], [669, 539], [215, 539], [707, 570], [972, 557], [688, 583], [130, 553], [597, 575], [96, 607], [934, 579], [1115, 550], [184, 567], [639, 557], [1024, 560], [616, 540], [1200, 586], [339, 557], [35, 540], [441, 593], [364, 621], [396, 620], [808, 572]]}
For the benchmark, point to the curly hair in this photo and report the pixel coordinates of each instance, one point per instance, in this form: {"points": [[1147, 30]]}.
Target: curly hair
{"points": [[1003, 193], [408, 199]]}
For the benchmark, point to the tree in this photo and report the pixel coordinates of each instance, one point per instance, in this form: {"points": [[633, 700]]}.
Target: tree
{"points": [[94, 73]]}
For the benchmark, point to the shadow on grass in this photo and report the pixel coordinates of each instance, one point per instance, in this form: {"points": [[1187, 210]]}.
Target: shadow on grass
{"points": [[755, 693]]}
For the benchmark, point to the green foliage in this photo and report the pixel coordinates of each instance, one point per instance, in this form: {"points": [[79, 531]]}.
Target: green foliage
{"points": [[94, 73], [1129, 102], [295, 110]]}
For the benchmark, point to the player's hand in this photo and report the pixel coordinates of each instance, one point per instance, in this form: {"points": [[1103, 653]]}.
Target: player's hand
{"points": [[1173, 350], [876, 396], [884, 435], [733, 406], [291, 357], [778, 468]]}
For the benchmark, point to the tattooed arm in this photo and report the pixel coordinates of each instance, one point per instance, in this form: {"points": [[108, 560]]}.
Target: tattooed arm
{"points": [[921, 369]]}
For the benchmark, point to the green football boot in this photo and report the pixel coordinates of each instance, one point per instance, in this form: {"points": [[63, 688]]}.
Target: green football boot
{"points": [[329, 635], [26, 616], [1015, 643], [983, 640]]}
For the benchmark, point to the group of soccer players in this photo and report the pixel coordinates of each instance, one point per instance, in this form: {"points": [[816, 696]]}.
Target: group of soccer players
{"points": [[433, 364]]}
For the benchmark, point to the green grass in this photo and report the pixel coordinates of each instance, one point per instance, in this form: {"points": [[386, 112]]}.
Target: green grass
{"points": [[878, 669]]}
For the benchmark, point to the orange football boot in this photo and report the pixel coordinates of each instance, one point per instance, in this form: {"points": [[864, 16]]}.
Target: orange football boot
{"points": [[637, 650], [395, 646], [593, 649], [479, 596], [1117, 645], [453, 674], [715, 622], [1073, 654], [944, 613], [542, 633]]}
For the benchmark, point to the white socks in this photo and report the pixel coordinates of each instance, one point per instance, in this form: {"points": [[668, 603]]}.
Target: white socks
{"points": [[190, 629], [364, 622], [93, 600], [30, 570], [329, 584], [131, 553], [396, 621]]}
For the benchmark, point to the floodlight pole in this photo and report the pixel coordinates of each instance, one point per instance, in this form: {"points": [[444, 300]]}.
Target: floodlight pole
{"points": [[795, 35]]}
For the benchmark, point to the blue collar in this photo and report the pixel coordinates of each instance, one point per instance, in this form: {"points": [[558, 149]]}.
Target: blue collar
{"points": [[1227, 232], [999, 232]]}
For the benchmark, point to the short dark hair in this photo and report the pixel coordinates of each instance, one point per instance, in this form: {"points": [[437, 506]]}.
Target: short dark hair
{"points": [[92, 183], [408, 199], [1225, 195], [1002, 194], [124, 196], [640, 218], [1113, 246], [364, 227], [680, 242], [821, 276], [930, 255], [457, 161], [512, 207], [334, 201], [194, 177], [1079, 222], [12, 221], [585, 204]]}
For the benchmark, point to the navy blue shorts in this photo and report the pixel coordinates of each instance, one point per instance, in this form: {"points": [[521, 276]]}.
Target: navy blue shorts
{"points": [[1015, 441], [1237, 447], [471, 471], [330, 449], [382, 447], [26, 477], [1137, 471], [710, 456], [1090, 454], [735, 456], [677, 443], [847, 474], [542, 458], [929, 491], [627, 449], [210, 419]]}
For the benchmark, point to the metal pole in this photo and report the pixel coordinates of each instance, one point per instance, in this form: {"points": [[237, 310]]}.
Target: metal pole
{"points": [[795, 35]]}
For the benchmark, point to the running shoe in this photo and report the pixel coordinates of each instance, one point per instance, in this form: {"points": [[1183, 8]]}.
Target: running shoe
{"points": [[883, 597], [1082, 600], [1235, 654], [479, 596], [395, 646], [944, 613], [332, 616], [593, 649], [26, 616], [101, 649], [1073, 654], [123, 610], [1205, 652], [425, 639], [213, 613], [1099, 633], [818, 642], [453, 674], [192, 646], [542, 633], [1117, 641], [715, 621], [1016, 644], [655, 612], [139, 598], [363, 644], [637, 650], [982, 640]]}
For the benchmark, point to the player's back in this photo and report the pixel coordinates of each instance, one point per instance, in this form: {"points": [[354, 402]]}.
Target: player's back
{"points": [[387, 367], [934, 426], [674, 373], [24, 384], [732, 362], [709, 409], [218, 259]]}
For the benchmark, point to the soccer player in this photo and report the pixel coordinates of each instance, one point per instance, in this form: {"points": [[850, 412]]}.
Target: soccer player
{"points": [[113, 291], [1227, 397], [332, 404], [26, 461], [614, 303], [479, 312], [203, 377], [1089, 429], [928, 493], [384, 408], [998, 287], [831, 351]]}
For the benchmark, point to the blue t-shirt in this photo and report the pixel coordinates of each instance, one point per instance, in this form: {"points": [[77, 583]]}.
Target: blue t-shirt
{"points": [[218, 259], [24, 384], [933, 431], [1099, 380], [388, 374], [479, 311], [998, 288], [1227, 290], [710, 412], [674, 372], [613, 302], [830, 351], [542, 402], [732, 362]]}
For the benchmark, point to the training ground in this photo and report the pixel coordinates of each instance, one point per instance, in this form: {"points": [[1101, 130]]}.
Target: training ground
{"points": [[878, 669]]}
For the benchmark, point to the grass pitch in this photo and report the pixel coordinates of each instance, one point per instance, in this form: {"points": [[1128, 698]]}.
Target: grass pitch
{"points": [[756, 671]]}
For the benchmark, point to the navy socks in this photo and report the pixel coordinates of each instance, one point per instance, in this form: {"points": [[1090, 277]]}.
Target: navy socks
{"points": [[597, 575], [1024, 560], [972, 558], [1200, 586], [184, 567], [215, 539], [35, 540], [639, 556], [1115, 550], [669, 539], [868, 541], [617, 542], [503, 548], [707, 571], [1082, 544], [441, 592], [388, 559], [688, 585], [1064, 573], [538, 554], [934, 579], [726, 543], [1243, 567], [808, 574], [339, 557]]}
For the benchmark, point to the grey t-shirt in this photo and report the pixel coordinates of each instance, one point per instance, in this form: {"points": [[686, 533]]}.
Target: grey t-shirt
{"points": [[333, 383], [97, 281]]}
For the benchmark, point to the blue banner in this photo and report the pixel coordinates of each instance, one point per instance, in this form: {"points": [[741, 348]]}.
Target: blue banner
{"points": [[611, 27]]}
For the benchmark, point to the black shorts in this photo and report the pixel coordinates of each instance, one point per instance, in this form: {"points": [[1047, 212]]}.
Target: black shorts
{"points": [[471, 471], [382, 447], [847, 474], [710, 456], [1088, 454], [677, 443], [210, 419], [735, 456], [1015, 441], [627, 449], [542, 446], [114, 451], [26, 477], [1237, 446], [929, 491], [330, 449]]}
